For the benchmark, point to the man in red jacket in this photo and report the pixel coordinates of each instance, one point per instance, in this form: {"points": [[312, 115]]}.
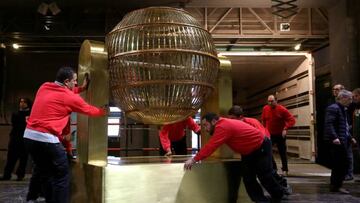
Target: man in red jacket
{"points": [[65, 138], [255, 150], [236, 112], [277, 119], [173, 136], [35, 189], [52, 107]]}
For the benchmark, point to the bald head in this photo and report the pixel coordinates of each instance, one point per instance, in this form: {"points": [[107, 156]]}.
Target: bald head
{"points": [[272, 101]]}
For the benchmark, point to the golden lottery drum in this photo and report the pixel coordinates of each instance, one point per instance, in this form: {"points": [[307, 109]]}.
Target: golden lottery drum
{"points": [[162, 64]]}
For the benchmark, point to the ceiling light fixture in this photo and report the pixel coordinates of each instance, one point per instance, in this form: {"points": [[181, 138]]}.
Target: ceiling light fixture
{"points": [[47, 27], [43, 8], [297, 47], [54, 8], [15, 46], [284, 8]]}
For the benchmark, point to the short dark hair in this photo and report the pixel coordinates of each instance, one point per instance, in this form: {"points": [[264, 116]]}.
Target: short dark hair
{"points": [[64, 73], [236, 111], [356, 91], [27, 101], [210, 116]]}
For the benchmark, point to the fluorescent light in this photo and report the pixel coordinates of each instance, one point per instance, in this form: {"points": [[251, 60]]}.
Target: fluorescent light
{"points": [[15, 46], [115, 109], [47, 27]]}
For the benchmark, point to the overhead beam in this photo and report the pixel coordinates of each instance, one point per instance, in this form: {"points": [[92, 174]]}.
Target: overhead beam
{"points": [[322, 15], [292, 17], [253, 45], [222, 18], [257, 3], [206, 18], [212, 12], [198, 11], [261, 20], [240, 21], [230, 3], [227, 36], [310, 20]]}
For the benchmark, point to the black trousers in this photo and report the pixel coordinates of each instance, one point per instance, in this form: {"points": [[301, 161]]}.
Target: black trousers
{"points": [[16, 151], [280, 142], [51, 170], [259, 164], [340, 164], [179, 147]]}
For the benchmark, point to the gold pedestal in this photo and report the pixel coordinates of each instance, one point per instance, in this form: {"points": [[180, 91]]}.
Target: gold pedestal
{"points": [[219, 102], [158, 179], [96, 179]]}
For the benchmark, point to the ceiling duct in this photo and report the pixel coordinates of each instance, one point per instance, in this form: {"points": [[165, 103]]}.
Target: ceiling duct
{"points": [[284, 8]]}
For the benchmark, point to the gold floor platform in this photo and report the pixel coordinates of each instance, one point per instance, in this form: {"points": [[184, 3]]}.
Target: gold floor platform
{"points": [[157, 179]]}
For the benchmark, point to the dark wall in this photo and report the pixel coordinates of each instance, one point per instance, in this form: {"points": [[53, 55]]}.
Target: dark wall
{"points": [[26, 71], [344, 27]]}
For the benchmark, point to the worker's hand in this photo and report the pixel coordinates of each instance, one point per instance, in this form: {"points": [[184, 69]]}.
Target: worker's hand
{"points": [[284, 132], [189, 163], [86, 81], [353, 141], [67, 137], [106, 109], [336, 141], [168, 153]]}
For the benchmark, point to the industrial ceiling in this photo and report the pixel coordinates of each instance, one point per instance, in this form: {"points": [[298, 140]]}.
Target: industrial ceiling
{"points": [[236, 25]]}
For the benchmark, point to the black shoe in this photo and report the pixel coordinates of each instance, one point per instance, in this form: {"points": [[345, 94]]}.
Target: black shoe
{"points": [[348, 178], [340, 190], [287, 190]]}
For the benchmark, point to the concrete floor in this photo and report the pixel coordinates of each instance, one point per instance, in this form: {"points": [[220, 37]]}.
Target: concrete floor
{"points": [[309, 183]]}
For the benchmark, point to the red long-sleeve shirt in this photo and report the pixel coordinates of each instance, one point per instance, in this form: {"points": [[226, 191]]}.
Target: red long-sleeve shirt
{"points": [[66, 143], [239, 136], [67, 130], [277, 119], [52, 108], [256, 124], [174, 132]]}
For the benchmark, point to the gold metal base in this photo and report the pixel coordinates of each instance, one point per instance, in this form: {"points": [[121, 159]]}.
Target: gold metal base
{"points": [[157, 179]]}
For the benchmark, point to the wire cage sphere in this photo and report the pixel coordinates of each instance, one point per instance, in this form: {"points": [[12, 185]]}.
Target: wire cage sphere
{"points": [[162, 64]]}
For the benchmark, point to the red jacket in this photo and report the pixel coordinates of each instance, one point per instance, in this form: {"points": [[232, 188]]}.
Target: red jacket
{"points": [[52, 108], [239, 136], [277, 119], [66, 143], [67, 130], [174, 132], [256, 124]]}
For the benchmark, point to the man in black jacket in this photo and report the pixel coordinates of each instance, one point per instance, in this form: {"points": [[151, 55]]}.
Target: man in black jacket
{"points": [[16, 147], [337, 133]]}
